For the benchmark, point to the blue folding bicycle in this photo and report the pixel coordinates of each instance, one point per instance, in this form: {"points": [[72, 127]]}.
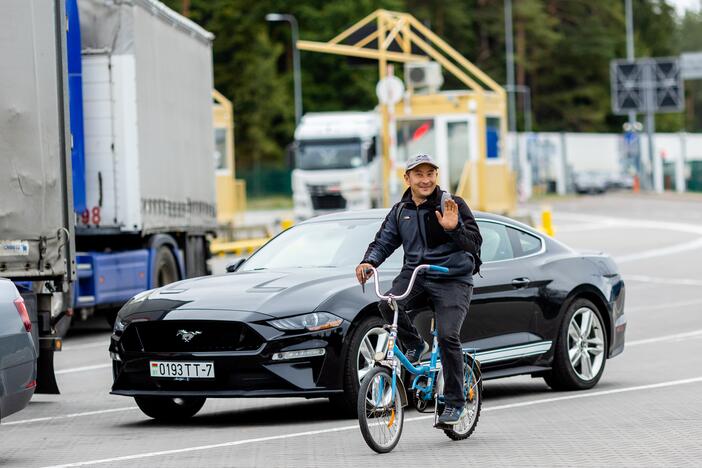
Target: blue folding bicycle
{"points": [[382, 397]]}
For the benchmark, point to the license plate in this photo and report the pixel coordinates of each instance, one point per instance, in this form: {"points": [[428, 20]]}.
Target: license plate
{"points": [[182, 369]]}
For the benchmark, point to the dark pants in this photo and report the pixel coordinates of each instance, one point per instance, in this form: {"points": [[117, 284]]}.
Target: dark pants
{"points": [[450, 300]]}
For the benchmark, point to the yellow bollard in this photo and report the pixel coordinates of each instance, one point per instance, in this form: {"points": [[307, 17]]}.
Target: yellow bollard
{"points": [[286, 224], [547, 222]]}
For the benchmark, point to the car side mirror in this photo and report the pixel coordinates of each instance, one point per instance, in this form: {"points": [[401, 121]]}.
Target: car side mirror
{"points": [[233, 266]]}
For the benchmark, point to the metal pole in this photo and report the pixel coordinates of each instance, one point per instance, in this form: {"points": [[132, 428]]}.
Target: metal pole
{"points": [[632, 115], [297, 82], [656, 164], [680, 164], [296, 70], [383, 72], [512, 108]]}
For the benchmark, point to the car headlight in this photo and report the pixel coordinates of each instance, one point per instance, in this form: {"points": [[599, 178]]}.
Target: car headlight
{"points": [[312, 322], [119, 325]]}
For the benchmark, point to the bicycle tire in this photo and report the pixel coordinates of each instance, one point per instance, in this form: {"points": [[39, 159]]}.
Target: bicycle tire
{"points": [[474, 404], [381, 377]]}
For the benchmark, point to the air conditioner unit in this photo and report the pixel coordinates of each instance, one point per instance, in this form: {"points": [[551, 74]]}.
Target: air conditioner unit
{"points": [[423, 77]]}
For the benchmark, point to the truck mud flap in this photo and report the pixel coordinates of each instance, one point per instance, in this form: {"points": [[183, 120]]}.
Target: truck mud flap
{"points": [[46, 377]]}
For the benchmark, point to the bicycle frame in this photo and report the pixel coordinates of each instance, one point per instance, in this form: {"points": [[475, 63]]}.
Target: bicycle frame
{"points": [[392, 350]]}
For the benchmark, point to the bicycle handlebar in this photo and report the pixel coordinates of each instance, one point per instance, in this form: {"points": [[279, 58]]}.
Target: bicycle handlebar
{"points": [[416, 271]]}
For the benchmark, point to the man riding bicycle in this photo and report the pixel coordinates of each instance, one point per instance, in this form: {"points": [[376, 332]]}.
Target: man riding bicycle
{"points": [[437, 229]]}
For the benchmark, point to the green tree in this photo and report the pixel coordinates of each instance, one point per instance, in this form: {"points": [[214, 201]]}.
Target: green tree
{"points": [[689, 39]]}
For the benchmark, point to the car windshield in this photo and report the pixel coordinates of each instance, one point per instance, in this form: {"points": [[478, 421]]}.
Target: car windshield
{"points": [[333, 154], [328, 244]]}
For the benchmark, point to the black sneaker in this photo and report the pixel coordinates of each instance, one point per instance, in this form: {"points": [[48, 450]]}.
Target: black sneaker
{"points": [[451, 415], [415, 352]]}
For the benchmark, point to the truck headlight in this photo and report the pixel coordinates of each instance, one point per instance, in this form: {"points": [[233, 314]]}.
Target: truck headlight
{"points": [[312, 322]]}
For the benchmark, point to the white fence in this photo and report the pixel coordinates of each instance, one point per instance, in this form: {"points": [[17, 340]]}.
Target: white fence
{"points": [[552, 158]]}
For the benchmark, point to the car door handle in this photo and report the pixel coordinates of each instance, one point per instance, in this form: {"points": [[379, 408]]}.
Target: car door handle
{"points": [[520, 282]]}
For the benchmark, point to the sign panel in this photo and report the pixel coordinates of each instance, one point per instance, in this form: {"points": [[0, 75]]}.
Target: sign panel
{"points": [[647, 85], [691, 65]]}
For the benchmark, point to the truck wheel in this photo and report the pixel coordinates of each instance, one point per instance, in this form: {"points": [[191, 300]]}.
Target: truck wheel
{"points": [[165, 268], [169, 409]]}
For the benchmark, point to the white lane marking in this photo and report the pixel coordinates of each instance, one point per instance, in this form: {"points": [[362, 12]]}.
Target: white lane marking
{"points": [[660, 280], [629, 222], [674, 337], [660, 251], [606, 221], [669, 305], [677, 336], [100, 344], [355, 426], [68, 416], [82, 369], [581, 227]]}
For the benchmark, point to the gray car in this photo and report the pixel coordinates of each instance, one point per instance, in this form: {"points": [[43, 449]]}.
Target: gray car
{"points": [[18, 356]]}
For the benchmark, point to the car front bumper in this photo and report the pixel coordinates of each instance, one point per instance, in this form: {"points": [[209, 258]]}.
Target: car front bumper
{"points": [[253, 373]]}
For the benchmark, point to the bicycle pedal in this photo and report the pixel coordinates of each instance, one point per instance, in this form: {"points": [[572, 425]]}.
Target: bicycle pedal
{"points": [[442, 426]]}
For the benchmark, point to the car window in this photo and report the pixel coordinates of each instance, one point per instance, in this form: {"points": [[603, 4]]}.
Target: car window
{"points": [[528, 243], [322, 244], [496, 243]]}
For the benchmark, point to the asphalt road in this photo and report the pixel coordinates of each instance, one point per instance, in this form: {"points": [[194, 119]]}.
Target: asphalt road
{"points": [[646, 410]]}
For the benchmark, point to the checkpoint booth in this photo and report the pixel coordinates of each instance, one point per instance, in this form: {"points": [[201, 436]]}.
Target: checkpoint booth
{"points": [[464, 129]]}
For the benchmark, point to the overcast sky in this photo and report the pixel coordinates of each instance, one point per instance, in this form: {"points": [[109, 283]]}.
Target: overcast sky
{"points": [[682, 5]]}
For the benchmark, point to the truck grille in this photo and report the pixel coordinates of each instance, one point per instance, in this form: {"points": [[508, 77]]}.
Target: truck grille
{"points": [[190, 336], [328, 202]]}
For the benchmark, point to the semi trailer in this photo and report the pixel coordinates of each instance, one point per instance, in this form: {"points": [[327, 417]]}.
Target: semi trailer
{"points": [[107, 183]]}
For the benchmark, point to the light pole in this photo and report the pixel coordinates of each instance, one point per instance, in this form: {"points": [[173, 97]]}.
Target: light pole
{"points": [[511, 101], [632, 124], [296, 60]]}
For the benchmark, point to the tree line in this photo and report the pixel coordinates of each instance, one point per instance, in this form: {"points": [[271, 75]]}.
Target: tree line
{"points": [[562, 52]]}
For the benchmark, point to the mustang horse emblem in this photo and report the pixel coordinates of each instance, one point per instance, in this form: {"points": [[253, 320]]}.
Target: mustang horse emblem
{"points": [[186, 335]]}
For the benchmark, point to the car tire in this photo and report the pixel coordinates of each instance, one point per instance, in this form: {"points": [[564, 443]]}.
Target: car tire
{"points": [[167, 409], [570, 371], [346, 402]]}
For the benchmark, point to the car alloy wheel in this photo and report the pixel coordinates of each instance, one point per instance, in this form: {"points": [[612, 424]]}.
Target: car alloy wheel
{"points": [[579, 358], [585, 343], [374, 341]]}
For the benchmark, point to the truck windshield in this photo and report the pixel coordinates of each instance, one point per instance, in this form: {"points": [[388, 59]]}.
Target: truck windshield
{"points": [[329, 154]]}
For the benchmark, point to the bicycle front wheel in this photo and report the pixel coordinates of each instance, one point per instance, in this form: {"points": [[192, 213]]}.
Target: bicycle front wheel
{"points": [[473, 389], [380, 414]]}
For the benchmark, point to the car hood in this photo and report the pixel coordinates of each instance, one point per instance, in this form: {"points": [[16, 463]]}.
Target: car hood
{"points": [[254, 294]]}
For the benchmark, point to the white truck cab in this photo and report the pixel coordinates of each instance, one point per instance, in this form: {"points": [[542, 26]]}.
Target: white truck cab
{"points": [[337, 163]]}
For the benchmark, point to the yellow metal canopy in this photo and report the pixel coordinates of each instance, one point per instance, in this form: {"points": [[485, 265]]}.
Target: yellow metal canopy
{"points": [[389, 36]]}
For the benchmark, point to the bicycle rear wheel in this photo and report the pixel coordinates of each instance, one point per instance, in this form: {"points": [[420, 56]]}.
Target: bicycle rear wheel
{"points": [[380, 415], [473, 388]]}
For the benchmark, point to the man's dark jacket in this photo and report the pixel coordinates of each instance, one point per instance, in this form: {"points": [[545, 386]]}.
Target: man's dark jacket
{"points": [[417, 229]]}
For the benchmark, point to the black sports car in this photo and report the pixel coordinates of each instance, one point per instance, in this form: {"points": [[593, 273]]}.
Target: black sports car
{"points": [[293, 321]]}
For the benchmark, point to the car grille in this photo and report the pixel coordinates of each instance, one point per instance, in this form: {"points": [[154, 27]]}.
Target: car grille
{"points": [[328, 202], [168, 336]]}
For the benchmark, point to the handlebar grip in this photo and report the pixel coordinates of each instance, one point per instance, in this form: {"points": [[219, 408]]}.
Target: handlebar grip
{"points": [[438, 268]]}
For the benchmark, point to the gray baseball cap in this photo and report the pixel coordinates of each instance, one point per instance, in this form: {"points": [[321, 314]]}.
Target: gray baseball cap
{"points": [[420, 159]]}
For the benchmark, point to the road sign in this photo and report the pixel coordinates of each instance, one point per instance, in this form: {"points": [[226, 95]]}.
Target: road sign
{"points": [[691, 65], [390, 90], [647, 85]]}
